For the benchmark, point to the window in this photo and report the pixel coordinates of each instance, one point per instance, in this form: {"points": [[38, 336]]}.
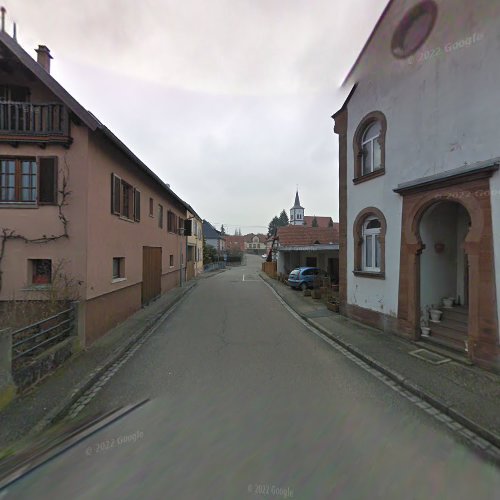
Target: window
{"points": [[160, 216], [369, 147], [171, 260], [151, 207], [137, 205], [181, 224], [41, 271], [24, 180], [171, 222], [125, 200], [118, 268], [414, 29], [369, 243], [311, 261]]}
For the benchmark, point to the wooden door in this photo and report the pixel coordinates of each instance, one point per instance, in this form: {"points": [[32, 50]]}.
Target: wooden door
{"points": [[151, 273]]}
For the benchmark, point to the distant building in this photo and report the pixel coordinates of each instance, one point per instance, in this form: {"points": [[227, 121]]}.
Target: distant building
{"points": [[213, 237], [297, 212]]}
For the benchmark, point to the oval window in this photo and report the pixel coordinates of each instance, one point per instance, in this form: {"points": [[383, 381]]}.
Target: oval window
{"points": [[414, 29]]}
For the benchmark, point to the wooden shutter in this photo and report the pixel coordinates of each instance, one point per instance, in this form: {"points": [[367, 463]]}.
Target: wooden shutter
{"points": [[47, 181], [137, 205], [188, 225], [115, 194]]}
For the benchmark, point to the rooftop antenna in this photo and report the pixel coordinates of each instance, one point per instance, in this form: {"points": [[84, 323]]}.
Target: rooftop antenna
{"points": [[2, 11]]}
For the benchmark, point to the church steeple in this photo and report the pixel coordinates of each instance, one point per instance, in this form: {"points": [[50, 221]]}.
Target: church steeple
{"points": [[297, 212]]}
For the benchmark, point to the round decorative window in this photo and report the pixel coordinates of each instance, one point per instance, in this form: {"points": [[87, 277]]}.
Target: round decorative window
{"points": [[414, 29]]}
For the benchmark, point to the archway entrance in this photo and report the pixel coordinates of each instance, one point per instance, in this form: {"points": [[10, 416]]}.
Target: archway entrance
{"points": [[444, 272], [456, 196]]}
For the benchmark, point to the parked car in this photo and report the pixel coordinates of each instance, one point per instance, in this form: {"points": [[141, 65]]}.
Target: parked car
{"points": [[303, 277]]}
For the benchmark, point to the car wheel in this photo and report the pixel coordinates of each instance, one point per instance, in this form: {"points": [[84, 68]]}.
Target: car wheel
{"points": [[303, 286]]}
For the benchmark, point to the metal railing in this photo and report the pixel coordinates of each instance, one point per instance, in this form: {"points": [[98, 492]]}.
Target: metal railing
{"points": [[37, 337], [26, 118], [214, 266]]}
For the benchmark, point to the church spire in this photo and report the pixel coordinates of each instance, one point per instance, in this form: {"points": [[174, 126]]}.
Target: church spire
{"points": [[297, 212]]}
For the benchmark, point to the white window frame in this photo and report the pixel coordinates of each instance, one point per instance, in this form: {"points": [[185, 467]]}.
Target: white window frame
{"points": [[372, 142], [374, 233]]}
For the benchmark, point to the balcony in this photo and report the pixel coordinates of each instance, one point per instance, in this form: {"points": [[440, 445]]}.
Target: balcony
{"points": [[42, 124]]}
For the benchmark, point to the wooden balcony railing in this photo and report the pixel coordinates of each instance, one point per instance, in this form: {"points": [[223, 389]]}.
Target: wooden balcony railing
{"points": [[21, 121]]}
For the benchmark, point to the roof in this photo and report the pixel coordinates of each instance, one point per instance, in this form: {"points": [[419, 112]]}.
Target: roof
{"points": [[322, 221], [367, 43], [297, 201], [79, 111], [210, 232], [249, 237], [455, 174], [304, 235]]}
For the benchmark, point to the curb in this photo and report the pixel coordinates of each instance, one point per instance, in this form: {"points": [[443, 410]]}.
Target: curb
{"points": [[60, 410], [405, 383]]}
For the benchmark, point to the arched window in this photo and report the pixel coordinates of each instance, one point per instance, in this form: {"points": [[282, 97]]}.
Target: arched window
{"points": [[369, 147], [369, 243]]}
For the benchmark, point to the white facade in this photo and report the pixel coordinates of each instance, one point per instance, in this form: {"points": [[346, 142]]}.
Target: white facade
{"points": [[441, 106], [297, 212]]}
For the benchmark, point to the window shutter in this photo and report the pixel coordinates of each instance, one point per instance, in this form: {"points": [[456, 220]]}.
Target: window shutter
{"points": [[188, 224], [115, 194], [47, 193], [137, 205]]}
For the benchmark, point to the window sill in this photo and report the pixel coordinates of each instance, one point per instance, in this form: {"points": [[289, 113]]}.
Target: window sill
{"points": [[4, 204], [36, 288], [118, 280], [367, 177], [370, 274], [126, 219]]}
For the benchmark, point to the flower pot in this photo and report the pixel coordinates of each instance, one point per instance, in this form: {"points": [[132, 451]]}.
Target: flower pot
{"points": [[436, 315], [333, 306], [426, 331], [448, 302]]}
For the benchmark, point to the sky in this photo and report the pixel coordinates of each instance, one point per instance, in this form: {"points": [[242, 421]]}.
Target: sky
{"points": [[228, 101]]}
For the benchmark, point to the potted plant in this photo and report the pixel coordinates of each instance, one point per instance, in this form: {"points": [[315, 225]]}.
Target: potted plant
{"points": [[435, 314], [448, 302], [424, 322], [333, 305]]}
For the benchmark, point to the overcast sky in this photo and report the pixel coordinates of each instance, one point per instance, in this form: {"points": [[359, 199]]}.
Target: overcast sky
{"points": [[228, 101]]}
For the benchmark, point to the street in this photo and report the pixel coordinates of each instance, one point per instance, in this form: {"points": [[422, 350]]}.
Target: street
{"points": [[247, 402]]}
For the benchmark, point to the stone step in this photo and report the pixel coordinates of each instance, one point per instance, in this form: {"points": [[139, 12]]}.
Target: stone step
{"points": [[443, 330], [445, 343], [452, 324]]}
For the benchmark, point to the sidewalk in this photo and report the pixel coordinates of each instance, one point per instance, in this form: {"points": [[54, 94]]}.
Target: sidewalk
{"points": [[466, 393], [30, 413]]}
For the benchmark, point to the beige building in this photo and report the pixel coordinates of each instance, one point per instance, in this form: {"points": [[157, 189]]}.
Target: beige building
{"points": [[74, 197], [194, 244]]}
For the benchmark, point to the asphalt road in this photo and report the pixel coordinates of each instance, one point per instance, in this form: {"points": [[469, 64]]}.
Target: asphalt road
{"points": [[246, 403]]}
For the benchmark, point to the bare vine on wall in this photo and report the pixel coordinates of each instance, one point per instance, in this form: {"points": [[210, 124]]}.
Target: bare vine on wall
{"points": [[63, 194]]}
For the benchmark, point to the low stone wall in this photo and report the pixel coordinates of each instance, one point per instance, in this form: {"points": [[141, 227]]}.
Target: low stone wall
{"points": [[43, 364]]}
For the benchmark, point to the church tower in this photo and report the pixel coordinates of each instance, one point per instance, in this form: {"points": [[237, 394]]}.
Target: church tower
{"points": [[297, 212]]}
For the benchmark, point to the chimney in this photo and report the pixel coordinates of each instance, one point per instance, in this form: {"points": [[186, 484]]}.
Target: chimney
{"points": [[44, 57], [2, 14]]}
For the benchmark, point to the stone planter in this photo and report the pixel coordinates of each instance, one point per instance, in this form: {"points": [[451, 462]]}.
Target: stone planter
{"points": [[425, 330], [436, 315], [448, 302], [333, 306]]}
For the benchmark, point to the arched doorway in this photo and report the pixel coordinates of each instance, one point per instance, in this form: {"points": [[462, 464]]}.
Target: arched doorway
{"points": [[461, 192], [444, 272]]}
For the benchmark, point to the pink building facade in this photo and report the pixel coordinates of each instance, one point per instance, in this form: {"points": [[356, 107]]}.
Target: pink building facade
{"points": [[73, 197]]}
